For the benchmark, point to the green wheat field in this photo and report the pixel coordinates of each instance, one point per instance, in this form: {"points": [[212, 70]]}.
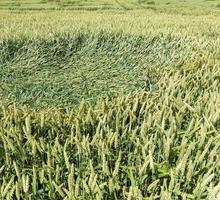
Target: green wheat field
{"points": [[110, 99]]}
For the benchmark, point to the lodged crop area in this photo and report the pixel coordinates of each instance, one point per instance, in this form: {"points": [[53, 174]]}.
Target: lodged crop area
{"points": [[109, 105]]}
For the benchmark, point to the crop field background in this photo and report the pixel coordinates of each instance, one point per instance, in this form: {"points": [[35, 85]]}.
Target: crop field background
{"points": [[184, 6], [110, 99]]}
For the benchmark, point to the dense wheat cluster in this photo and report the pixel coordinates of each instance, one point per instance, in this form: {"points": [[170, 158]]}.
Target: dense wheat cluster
{"points": [[162, 144], [109, 104]]}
